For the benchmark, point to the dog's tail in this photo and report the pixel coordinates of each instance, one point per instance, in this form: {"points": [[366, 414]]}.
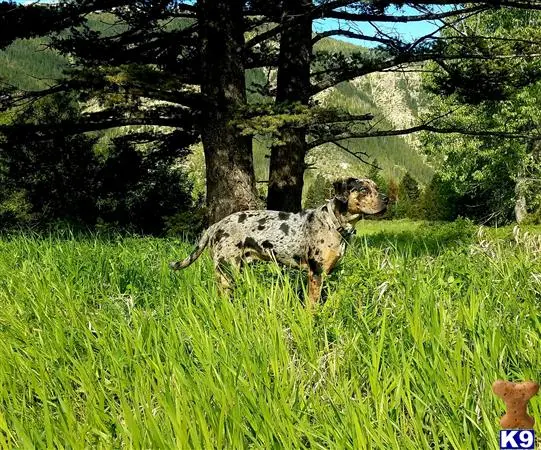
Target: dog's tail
{"points": [[203, 242]]}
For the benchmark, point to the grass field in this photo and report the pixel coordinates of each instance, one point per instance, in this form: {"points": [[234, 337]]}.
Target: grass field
{"points": [[102, 347]]}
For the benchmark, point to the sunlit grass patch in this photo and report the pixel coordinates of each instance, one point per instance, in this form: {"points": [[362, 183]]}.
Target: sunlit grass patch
{"points": [[102, 346]]}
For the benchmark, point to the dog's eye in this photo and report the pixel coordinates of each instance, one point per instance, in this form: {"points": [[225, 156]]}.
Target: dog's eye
{"points": [[363, 190]]}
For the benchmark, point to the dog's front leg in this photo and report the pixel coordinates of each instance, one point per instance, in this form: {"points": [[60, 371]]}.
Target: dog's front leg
{"points": [[314, 289]]}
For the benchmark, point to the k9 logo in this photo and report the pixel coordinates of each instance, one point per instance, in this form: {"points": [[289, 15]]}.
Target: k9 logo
{"points": [[517, 439]]}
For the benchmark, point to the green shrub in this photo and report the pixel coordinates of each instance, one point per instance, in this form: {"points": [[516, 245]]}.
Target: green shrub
{"points": [[120, 185], [188, 224], [438, 201], [319, 191], [14, 209]]}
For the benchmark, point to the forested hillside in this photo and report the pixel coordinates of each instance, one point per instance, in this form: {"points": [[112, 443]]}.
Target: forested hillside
{"points": [[393, 98]]}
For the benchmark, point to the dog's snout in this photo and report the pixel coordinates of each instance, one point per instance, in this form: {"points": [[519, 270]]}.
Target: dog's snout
{"points": [[384, 198]]}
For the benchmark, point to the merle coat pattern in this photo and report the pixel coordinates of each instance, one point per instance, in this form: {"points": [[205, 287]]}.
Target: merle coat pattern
{"points": [[314, 239]]}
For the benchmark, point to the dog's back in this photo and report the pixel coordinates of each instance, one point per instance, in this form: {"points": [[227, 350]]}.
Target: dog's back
{"points": [[261, 234]]}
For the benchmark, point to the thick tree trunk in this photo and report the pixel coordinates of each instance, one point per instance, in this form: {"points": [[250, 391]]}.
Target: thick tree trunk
{"points": [[228, 155], [286, 174]]}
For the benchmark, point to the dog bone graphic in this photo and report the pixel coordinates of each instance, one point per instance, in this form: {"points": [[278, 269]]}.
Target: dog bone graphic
{"points": [[516, 397]]}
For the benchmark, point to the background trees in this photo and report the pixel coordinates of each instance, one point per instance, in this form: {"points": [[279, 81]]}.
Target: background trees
{"points": [[161, 64], [177, 72], [329, 69], [85, 180], [493, 178]]}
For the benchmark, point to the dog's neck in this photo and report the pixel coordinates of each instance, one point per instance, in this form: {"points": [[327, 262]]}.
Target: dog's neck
{"points": [[341, 219]]}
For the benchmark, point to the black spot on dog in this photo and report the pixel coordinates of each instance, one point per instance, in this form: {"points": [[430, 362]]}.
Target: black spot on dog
{"points": [[342, 206], [220, 234], [354, 184], [284, 228], [314, 266], [283, 215], [240, 244], [222, 261], [242, 217], [267, 244], [321, 241], [261, 227], [310, 217], [298, 259], [263, 221], [250, 242], [318, 251]]}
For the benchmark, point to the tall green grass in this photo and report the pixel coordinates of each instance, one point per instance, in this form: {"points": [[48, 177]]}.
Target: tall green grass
{"points": [[102, 346]]}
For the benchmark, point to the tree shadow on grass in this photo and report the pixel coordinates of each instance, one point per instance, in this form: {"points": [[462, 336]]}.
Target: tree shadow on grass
{"points": [[429, 239]]}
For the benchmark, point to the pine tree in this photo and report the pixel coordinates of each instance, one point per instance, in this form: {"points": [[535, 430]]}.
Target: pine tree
{"points": [[181, 64], [143, 71], [309, 72]]}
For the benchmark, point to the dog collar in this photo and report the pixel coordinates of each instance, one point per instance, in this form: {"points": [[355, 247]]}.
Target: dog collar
{"points": [[336, 224]]}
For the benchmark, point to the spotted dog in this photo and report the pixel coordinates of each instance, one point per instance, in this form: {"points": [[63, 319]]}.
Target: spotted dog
{"points": [[314, 239]]}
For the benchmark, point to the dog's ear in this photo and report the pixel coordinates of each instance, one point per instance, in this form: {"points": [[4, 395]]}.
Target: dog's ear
{"points": [[341, 192]]}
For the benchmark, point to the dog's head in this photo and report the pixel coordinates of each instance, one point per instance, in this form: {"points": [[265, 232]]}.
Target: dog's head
{"points": [[359, 196]]}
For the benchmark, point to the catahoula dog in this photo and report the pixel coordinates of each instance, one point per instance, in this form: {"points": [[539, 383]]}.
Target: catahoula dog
{"points": [[314, 239]]}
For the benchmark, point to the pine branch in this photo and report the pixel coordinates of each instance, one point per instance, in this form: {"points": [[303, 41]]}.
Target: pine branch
{"points": [[103, 120], [391, 18], [423, 127], [353, 35], [357, 155], [349, 73], [330, 9]]}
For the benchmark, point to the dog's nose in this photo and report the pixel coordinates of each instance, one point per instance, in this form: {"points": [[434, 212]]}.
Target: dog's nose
{"points": [[384, 198]]}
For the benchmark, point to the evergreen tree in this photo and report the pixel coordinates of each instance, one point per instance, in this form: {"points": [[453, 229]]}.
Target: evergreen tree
{"points": [[410, 187], [304, 72], [318, 193], [146, 67], [374, 173], [144, 70], [493, 179]]}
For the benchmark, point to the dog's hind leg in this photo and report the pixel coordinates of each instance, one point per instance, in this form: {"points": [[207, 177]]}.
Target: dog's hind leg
{"points": [[314, 289], [224, 282], [225, 270]]}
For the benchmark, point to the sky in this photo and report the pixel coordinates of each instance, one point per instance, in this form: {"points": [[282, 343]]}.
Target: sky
{"points": [[408, 31]]}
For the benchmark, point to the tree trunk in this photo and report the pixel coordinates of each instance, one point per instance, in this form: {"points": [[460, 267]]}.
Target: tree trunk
{"points": [[286, 173], [524, 180], [228, 155], [521, 211]]}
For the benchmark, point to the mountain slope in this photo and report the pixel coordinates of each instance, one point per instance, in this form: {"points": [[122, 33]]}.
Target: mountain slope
{"points": [[393, 98]]}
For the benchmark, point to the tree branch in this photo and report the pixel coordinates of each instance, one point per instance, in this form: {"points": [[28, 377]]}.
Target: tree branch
{"points": [[101, 120], [365, 17], [416, 129], [352, 35], [329, 10], [356, 154], [346, 74], [368, 17]]}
